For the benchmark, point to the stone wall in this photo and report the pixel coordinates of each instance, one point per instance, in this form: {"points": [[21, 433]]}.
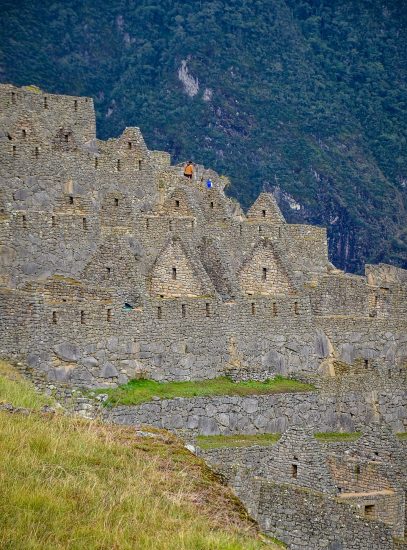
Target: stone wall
{"points": [[271, 413]]}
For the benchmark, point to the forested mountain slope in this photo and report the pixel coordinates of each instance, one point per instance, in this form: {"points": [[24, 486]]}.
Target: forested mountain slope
{"points": [[305, 96]]}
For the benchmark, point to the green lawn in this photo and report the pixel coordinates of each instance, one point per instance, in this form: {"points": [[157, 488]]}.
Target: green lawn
{"points": [[139, 391], [219, 441], [338, 436]]}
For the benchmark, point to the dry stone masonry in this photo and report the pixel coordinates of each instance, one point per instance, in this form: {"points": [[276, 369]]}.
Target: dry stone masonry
{"points": [[115, 266]]}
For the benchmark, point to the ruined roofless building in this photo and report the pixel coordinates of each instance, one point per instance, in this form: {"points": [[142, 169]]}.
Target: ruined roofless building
{"points": [[113, 266]]}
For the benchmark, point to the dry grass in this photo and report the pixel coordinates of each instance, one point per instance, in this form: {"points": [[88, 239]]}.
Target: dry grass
{"points": [[67, 483], [14, 389]]}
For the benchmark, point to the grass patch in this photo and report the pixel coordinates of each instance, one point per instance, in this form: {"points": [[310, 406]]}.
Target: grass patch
{"points": [[338, 436], [140, 391], [402, 435], [72, 484], [19, 392], [219, 441]]}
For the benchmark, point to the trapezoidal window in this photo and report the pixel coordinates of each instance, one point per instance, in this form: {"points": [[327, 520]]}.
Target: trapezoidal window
{"points": [[370, 511], [263, 213], [118, 165], [54, 317], [70, 200], [294, 471], [264, 274], [36, 152], [96, 162], [183, 310], [14, 150], [176, 204], [83, 318], [170, 225], [116, 202], [274, 309], [139, 164], [45, 103], [24, 133], [75, 105], [296, 309], [24, 221], [109, 315], [174, 273], [253, 308], [159, 312], [129, 145], [108, 272], [53, 221], [13, 98], [66, 138], [208, 310], [211, 204], [84, 224], [260, 229]]}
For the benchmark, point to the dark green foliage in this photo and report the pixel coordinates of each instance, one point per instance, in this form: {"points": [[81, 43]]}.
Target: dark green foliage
{"points": [[309, 95]]}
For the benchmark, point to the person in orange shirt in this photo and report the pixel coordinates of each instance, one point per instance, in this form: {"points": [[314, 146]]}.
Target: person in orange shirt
{"points": [[188, 170]]}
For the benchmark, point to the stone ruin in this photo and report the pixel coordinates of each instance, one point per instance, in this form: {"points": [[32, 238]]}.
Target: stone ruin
{"points": [[114, 266]]}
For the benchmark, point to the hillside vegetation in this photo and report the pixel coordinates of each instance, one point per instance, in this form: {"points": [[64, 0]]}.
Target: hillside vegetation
{"points": [[304, 96], [67, 483]]}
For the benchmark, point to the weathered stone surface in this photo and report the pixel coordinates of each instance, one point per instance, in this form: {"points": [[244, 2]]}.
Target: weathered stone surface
{"points": [[67, 351]]}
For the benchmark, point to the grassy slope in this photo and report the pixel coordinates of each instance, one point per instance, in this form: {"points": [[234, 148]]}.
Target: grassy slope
{"points": [[139, 391], [72, 484]]}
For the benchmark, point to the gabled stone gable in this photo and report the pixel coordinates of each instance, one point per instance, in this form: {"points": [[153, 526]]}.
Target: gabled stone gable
{"points": [[175, 274], [263, 272], [266, 210]]}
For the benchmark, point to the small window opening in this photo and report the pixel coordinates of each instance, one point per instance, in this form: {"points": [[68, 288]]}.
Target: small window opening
{"points": [[24, 219], [263, 213], [9, 137], [109, 315], [279, 232], [376, 301], [192, 223], [183, 310], [53, 221], [24, 133], [83, 318], [13, 98], [260, 229], [296, 310], [366, 363], [129, 145], [118, 165], [147, 223], [75, 104], [45, 103], [14, 150], [139, 164], [357, 469], [176, 204], [170, 225], [274, 309], [207, 310], [109, 271], [370, 511], [174, 273], [253, 308], [84, 224], [294, 471], [240, 229], [37, 152], [159, 313], [211, 205], [54, 317], [264, 274], [66, 137], [70, 199], [116, 202], [96, 162]]}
